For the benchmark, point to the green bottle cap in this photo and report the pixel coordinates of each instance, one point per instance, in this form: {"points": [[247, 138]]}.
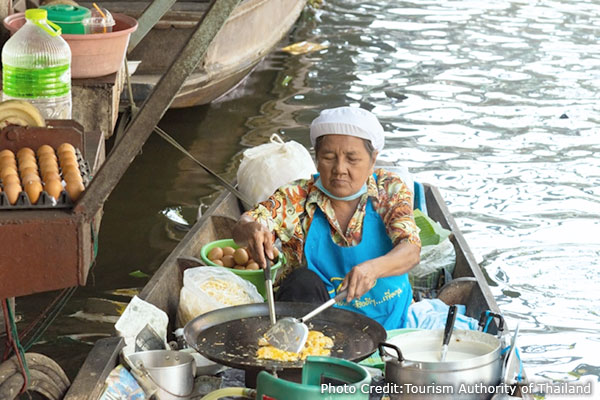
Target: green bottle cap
{"points": [[66, 13], [36, 14]]}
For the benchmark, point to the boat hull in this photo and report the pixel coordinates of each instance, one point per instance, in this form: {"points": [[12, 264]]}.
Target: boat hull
{"points": [[163, 288], [251, 32]]}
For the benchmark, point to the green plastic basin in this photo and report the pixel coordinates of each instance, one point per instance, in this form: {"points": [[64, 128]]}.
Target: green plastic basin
{"points": [[256, 277]]}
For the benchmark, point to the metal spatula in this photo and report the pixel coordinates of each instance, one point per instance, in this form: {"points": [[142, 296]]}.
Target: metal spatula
{"points": [[290, 334], [269, 291]]}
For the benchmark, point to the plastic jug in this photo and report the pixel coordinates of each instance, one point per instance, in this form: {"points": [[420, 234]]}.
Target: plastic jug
{"points": [[36, 66], [68, 17]]}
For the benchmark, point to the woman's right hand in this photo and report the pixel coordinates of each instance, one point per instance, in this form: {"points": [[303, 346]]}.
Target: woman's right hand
{"points": [[256, 237]]}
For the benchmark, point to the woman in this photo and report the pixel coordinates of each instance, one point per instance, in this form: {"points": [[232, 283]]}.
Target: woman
{"points": [[347, 227]]}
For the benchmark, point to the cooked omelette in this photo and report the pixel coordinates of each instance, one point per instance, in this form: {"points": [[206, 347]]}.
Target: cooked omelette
{"points": [[317, 344]]}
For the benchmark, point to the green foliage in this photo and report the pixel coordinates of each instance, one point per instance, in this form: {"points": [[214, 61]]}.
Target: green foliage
{"points": [[431, 232], [138, 274]]}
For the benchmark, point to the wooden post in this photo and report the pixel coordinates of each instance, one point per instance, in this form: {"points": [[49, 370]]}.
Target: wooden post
{"points": [[151, 15]]}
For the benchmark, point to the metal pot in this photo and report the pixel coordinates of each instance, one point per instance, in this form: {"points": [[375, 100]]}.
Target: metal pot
{"points": [[472, 369], [172, 372]]}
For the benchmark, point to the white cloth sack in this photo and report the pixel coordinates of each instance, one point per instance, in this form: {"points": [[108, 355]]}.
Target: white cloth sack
{"points": [[267, 167], [197, 298]]}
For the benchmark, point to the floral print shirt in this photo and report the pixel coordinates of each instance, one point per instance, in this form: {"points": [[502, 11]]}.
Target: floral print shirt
{"points": [[290, 210]]}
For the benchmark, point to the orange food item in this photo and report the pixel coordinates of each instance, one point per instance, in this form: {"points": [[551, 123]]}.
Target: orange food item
{"points": [[228, 261], [45, 149], [74, 189], [252, 266], [53, 187], [29, 171], [215, 254], [67, 156], [241, 256], [6, 152], [72, 176], [48, 166], [27, 163], [11, 179], [6, 171], [228, 251], [8, 160], [65, 147], [49, 175], [12, 191], [47, 156], [25, 151], [33, 190]]}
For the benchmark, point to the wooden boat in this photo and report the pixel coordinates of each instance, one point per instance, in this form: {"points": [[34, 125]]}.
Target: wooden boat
{"points": [[471, 288], [251, 32]]}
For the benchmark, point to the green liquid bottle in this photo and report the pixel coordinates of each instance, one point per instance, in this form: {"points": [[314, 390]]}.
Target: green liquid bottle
{"points": [[36, 66]]}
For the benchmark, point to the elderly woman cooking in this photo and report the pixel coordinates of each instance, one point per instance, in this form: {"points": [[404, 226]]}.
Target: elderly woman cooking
{"points": [[349, 226]]}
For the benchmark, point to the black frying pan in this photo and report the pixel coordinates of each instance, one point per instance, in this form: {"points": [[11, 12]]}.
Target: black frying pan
{"points": [[229, 336]]}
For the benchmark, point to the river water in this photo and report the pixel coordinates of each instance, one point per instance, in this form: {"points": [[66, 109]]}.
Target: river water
{"points": [[494, 102]]}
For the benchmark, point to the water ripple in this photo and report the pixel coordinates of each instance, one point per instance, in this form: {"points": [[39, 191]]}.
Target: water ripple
{"points": [[496, 104]]}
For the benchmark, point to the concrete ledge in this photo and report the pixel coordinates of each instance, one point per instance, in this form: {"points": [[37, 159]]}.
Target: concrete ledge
{"points": [[96, 102]]}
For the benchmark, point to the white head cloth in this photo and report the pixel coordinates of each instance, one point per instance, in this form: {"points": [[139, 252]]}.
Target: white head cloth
{"points": [[351, 121]]}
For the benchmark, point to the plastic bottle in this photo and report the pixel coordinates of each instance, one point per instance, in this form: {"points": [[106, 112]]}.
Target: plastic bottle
{"points": [[36, 66]]}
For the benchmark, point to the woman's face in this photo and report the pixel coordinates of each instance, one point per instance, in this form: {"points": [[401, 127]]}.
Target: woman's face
{"points": [[344, 164]]}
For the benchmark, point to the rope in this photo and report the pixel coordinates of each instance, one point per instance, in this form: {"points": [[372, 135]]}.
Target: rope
{"points": [[40, 317], [66, 296], [227, 185], [174, 143], [13, 337]]}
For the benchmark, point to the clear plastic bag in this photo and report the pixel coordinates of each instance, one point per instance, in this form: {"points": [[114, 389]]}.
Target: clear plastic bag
{"points": [[269, 166], [434, 260], [210, 288]]}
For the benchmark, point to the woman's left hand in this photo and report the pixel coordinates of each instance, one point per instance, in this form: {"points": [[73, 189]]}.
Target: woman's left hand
{"points": [[360, 280]]}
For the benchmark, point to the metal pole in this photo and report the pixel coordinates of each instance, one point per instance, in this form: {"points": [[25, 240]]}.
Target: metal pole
{"points": [[153, 108]]}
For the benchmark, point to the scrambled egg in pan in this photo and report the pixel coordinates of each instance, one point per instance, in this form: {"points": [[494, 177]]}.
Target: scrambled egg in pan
{"points": [[317, 344]]}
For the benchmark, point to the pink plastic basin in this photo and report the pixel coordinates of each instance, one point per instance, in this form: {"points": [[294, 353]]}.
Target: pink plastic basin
{"points": [[95, 54]]}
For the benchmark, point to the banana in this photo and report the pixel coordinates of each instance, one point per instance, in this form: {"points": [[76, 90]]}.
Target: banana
{"points": [[20, 112]]}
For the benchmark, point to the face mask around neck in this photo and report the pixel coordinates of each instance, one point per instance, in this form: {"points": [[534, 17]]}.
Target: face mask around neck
{"points": [[354, 196]]}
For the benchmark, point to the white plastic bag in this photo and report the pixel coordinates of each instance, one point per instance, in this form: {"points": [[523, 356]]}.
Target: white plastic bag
{"points": [[425, 277], [210, 288], [269, 166], [136, 316], [434, 258]]}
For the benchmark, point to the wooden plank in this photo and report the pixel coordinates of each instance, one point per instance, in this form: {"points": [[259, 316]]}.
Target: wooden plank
{"points": [[89, 382], [148, 19]]}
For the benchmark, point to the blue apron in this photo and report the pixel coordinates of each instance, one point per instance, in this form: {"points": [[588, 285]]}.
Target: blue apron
{"points": [[387, 302]]}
